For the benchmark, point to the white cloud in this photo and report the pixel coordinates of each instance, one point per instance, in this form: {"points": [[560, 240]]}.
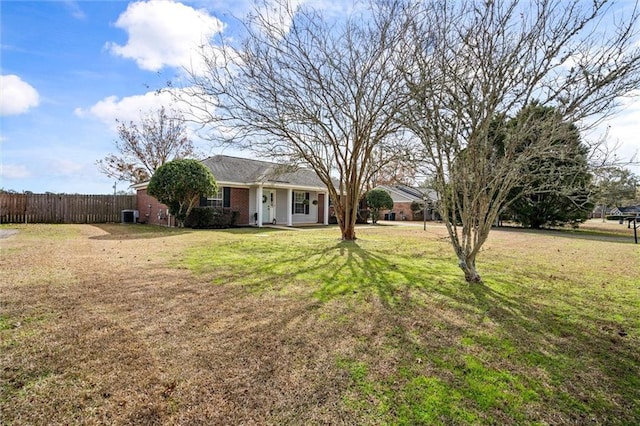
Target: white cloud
{"points": [[187, 101], [279, 16], [164, 33], [17, 97], [133, 108], [129, 108], [619, 133], [73, 8], [66, 167], [11, 171], [625, 128]]}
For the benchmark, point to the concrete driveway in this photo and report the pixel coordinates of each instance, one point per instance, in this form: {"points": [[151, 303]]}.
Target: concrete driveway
{"points": [[5, 233]]}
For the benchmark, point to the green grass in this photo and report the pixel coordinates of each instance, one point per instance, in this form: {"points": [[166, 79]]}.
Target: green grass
{"points": [[552, 337], [5, 323], [321, 263]]}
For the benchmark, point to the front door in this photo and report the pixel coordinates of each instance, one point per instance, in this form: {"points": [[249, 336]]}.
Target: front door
{"points": [[268, 206]]}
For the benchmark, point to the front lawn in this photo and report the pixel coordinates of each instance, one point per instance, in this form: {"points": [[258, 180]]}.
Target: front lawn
{"points": [[142, 325]]}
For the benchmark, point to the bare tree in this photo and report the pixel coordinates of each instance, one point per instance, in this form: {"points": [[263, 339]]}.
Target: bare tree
{"points": [[308, 90], [478, 60], [143, 148], [615, 186], [401, 171]]}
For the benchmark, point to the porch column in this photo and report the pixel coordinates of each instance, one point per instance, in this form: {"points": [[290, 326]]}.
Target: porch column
{"points": [[259, 205], [289, 203], [326, 208]]}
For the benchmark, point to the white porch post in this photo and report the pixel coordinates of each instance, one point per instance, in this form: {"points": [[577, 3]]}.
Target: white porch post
{"points": [[259, 205], [326, 208], [289, 202]]}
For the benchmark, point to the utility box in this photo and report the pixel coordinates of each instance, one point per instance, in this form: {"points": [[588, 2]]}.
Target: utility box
{"points": [[129, 216]]}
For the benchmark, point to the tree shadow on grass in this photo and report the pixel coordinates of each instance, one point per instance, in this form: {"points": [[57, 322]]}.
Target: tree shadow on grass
{"points": [[592, 362], [585, 370], [358, 270], [340, 270]]}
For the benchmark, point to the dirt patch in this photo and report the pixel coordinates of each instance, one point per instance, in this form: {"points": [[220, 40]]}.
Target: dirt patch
{"points": [[102, 331]]}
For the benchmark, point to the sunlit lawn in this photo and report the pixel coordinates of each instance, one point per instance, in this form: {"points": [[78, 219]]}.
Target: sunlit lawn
{"points": [[553, 337]]}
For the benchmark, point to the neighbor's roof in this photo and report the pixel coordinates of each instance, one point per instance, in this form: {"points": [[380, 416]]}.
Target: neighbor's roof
{"points": [[629, 209], [246, 171], [406, 193]]}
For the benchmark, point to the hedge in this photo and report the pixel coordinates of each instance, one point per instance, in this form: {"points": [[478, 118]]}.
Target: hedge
{"points": [[211, 217]]}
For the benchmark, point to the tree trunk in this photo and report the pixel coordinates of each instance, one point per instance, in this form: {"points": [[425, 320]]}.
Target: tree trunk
{"points": [[471, 275], [346, 222], [348, 232]]}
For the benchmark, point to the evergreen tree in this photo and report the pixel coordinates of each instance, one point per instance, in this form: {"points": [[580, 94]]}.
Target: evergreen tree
{"points": [[557, 187], [378, 199]]}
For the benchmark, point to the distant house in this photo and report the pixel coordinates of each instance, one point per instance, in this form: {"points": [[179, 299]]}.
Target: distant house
{"points": [[404, 196], [629, 211], [598, 212], [261, 192]]}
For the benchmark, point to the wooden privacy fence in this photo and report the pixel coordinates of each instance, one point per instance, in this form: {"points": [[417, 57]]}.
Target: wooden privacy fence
{"points": [[63, 208]]}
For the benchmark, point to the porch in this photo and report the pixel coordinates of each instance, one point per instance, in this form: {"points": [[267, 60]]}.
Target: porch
{"points": [[287, 206]]}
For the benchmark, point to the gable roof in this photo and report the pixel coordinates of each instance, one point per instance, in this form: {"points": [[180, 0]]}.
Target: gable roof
{"points": [[628, 210], [403, 193], [250, 172]]}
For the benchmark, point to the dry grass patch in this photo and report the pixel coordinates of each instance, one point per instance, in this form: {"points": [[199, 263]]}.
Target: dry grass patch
{"points": [[143, 325]]}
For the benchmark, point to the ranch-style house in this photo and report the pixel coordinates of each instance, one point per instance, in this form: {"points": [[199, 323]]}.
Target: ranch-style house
{"points": [[261, 192]]}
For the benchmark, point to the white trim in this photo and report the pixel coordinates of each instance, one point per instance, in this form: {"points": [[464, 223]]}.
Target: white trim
{"points": [[326, 208], [259, 206], [279, 185], [289, 203], [232, 184], [139, 186]]}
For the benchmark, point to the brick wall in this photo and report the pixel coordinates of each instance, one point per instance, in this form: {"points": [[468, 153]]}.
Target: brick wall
{"points": [[151, 210], [240, 202], [398, 207]]}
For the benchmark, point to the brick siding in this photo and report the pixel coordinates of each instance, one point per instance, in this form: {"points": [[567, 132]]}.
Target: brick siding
{"points": [[405, 208], [240, 203], [151, 210]]}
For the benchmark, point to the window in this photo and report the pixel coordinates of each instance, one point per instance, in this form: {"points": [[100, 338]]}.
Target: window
{"points": [[215, 200], [300, 203], [220, 199]]}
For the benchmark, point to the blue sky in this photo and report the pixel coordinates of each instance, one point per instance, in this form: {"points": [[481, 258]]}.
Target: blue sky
{"points": [[70, 68]]}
